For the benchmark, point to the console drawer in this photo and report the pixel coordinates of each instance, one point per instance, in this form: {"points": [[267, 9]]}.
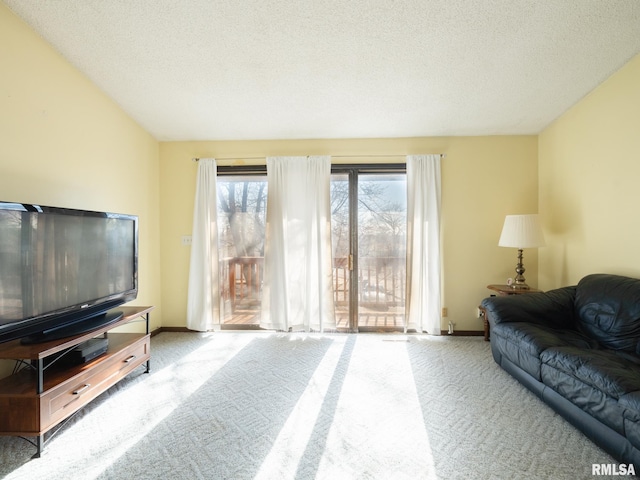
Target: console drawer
{"points": [[102, 373]]}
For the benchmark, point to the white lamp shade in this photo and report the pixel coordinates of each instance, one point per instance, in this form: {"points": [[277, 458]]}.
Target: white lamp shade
{"points": [[521, 231]]}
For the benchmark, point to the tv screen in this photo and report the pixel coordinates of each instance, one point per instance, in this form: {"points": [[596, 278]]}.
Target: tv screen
{"points": [[62, 268]]}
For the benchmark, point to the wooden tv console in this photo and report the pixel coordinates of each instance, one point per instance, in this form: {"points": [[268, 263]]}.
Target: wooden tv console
{"points": [[37, 398]]}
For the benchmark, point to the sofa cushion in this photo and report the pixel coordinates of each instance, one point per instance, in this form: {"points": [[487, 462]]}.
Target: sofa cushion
{"points": [[594, 380], [522, 343], [534, 339], [605, 370], [591, 400], [608, 309]]}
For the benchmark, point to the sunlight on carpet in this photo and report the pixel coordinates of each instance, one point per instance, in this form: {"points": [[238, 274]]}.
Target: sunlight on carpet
{"points": [[351, 408], [260, 405]]}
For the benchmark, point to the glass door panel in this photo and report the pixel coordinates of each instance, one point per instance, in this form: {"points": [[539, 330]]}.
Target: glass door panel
{"points": [[382, 228], [242, 206]]}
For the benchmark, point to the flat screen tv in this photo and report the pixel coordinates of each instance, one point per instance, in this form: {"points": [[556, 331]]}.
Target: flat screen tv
{"points": [[63, 271]]}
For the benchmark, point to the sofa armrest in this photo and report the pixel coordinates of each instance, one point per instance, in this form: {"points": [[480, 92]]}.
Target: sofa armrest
{"points": [[553, 308]]}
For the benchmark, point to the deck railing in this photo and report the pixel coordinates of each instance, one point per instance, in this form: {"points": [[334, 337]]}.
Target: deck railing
{"points": [[382, 280], [241, 278]]}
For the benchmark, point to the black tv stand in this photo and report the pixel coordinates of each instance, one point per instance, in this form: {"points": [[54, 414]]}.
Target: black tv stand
{"points": [[81, 325]]}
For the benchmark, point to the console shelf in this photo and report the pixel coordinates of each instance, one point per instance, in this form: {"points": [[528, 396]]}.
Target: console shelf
{"points": [[41, 396]]}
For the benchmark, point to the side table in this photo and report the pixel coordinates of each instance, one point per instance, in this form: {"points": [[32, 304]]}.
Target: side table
{"points": [[502, 290]]}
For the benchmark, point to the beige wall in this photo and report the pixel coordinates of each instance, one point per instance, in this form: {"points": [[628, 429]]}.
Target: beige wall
{"points": [[483, 179], [589, 169], [64, 143]]}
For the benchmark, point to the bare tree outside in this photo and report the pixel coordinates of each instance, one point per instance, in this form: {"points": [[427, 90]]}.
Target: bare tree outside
{"points": [[242, 203], [381, 217], [242, 216]]}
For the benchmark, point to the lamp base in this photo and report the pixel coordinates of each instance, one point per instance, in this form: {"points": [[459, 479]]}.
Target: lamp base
{"points": [[519, 281]]}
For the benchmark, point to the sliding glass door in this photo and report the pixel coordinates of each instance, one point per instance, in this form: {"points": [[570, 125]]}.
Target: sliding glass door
{"points": [[369, 242], [368, 221]]}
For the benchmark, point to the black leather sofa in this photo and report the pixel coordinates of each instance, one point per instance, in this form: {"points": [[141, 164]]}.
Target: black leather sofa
{"points": [[578, 349]]}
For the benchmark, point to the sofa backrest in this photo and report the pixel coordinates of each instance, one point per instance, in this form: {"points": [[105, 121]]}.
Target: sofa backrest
{"points": [[607, 308]]}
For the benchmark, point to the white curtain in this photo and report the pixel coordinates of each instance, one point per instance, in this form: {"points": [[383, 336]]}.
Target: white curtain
{"points": [[423, 244], [298, 290], [203, 303]]}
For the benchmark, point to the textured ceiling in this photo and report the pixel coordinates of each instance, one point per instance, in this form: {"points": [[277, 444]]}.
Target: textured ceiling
{"points": [[288, 69]]}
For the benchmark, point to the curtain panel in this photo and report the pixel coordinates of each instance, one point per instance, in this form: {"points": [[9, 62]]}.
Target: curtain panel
{"points": [[203, 302], [423, 302], [298, 289]]}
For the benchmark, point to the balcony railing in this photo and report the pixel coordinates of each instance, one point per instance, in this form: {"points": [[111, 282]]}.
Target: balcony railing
{"points": [[382, 281], [242, 279]]}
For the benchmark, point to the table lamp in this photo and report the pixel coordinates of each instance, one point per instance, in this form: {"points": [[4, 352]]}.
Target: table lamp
{"points": [[521, 231]]}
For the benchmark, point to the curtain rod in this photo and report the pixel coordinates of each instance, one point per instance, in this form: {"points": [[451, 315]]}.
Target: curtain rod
{"points": [[442, 155]]}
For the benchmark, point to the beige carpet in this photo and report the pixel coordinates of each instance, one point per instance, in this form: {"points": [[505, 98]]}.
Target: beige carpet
{"points": [[257, 405]]}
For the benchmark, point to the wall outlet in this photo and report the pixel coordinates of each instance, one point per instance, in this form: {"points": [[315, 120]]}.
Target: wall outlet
{"points": [[480, 313], [186, 240], [445, 312]]}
